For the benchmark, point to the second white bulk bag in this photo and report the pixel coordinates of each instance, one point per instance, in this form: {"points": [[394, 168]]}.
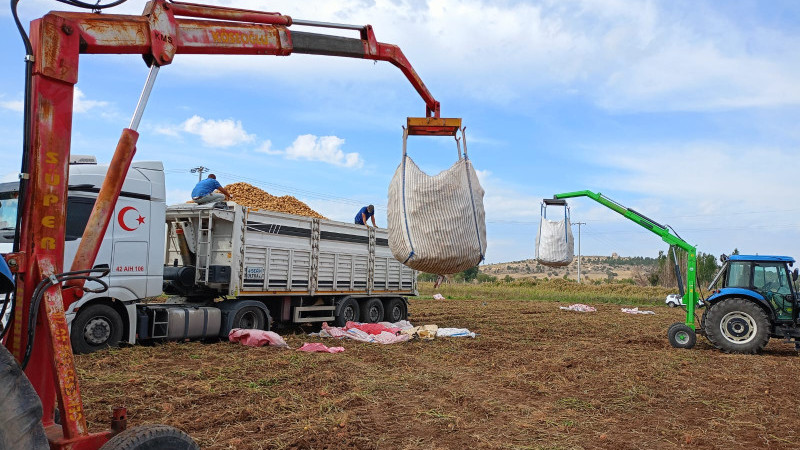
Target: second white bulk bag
{"points": [[555, 245], [437, 223]]}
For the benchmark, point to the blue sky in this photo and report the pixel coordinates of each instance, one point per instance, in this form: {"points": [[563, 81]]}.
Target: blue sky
{"points": [[684, 110]]}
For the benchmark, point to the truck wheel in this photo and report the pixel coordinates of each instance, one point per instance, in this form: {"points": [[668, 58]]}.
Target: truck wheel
{"points": [[249, 318], [372, 310], [394, 310], [736, 325], [151, 437], [96, 327], [21, 413], [348, 312], [681, 335]]}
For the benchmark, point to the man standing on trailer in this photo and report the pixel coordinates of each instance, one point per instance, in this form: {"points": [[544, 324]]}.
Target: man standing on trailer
{"points": [[203, 192], [364, 214]]}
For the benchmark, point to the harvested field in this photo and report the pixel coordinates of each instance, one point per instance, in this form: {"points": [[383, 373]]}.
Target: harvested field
{"points": [[252, 197], [536, 377]]}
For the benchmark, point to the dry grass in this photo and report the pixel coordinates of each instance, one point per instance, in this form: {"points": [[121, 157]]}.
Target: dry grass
{"points": [[536, 378]]}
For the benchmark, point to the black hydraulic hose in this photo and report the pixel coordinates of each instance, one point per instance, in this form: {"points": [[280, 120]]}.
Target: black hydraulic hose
{"points": [[26, 127], [43, 286], [3, 313]]}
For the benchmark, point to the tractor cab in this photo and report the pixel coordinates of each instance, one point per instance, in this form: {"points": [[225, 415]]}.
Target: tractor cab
{"points": [[753, 298], [768, 280]]}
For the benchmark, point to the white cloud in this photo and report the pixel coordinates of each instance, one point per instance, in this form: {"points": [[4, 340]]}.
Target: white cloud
{"points": [[81, 105], [266, 147], [217, 133], [13, 105], [322, 148], [622, 55]]}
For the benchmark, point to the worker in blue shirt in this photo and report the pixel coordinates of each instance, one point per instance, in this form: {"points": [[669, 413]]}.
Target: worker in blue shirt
{"points": [[364, 214], [204, 191]]}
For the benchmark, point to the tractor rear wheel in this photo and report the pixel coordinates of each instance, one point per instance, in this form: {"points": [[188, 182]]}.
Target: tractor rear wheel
{"points": [[151, 437], [737, 325], [21, 411]]}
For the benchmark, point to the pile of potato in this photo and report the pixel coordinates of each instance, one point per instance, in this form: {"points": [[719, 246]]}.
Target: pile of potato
{"points": [[252, 197]]}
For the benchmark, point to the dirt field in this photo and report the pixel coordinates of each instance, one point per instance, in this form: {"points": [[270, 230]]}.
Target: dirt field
{"points": [[536, 377]]}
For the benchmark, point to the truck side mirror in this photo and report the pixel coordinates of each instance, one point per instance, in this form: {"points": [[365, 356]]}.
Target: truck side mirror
{"points": [[6, 277]]}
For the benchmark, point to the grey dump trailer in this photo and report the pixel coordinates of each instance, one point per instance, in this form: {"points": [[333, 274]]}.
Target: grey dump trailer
{"points": [[270, 266]]}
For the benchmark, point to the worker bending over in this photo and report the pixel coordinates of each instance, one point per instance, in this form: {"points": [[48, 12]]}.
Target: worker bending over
{"points": [[364, 214], [204, 191]]}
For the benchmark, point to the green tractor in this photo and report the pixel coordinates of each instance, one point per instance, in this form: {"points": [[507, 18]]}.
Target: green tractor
{"points": [[753, 298]]}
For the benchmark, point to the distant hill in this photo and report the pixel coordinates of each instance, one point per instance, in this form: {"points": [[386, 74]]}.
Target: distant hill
{"points": [[592, 268]]}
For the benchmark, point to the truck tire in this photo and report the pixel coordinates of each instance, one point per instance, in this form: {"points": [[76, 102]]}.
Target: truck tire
{"points": [[737, 325], [250, 318], [348, 311], [151, 437], [96, 327], [394, 310], [372, 310], [21, 411]]}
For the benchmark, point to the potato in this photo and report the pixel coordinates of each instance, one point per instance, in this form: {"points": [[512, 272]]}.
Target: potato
{"points": [[254, 198]]}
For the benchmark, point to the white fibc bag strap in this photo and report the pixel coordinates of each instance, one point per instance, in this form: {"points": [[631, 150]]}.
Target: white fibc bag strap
{"points": [[437, 223]]}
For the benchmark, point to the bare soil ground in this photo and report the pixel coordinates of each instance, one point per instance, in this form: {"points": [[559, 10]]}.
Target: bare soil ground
{"points": [[536, 377]]}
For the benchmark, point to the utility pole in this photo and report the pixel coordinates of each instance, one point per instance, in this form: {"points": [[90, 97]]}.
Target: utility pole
{"points": [[579, 248], [199, 170]]}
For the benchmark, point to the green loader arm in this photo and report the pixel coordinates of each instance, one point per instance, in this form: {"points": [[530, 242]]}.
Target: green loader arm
{"points": [[690, 297]]}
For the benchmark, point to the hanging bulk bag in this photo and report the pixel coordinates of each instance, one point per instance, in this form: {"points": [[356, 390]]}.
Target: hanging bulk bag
{"points": [[555, 245], [437, 223]]}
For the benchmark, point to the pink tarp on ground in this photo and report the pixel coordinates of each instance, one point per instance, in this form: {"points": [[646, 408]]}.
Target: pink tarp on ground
{"points": [[371, 328], [256, 338], [317, 347]]}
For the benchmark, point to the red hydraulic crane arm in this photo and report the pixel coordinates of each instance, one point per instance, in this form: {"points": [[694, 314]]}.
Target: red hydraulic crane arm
{"points": [[161, 34], [158, 35]]}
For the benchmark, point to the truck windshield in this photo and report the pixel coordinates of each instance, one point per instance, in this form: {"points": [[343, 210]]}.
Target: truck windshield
{"points": [[8, 215]]}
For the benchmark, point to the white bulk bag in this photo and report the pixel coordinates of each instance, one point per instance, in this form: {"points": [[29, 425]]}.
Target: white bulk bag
{"points": [[437, 223], [555, 245]]}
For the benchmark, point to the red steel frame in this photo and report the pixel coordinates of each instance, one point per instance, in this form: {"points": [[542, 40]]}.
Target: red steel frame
{"points": [[58, 38]]}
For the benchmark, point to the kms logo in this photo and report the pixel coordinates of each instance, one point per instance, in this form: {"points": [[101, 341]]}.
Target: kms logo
{"points": [[162, 37]]}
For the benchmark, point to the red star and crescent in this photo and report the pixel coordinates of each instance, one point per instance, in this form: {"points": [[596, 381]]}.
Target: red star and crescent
{"points": [[121, 218]]}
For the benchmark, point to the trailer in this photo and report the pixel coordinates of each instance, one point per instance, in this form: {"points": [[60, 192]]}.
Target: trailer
{"points": [[192, 271]]}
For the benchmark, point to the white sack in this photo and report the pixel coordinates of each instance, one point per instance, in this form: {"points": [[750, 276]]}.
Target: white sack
{"points": [[554, 243], [437, 223]]}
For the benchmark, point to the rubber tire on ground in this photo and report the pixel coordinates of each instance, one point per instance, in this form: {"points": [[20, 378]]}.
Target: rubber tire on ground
{"points": [[95, 312], [371, 310], [681, 335], [395, 310], [250, 317], [151, 437], [348, 311], [720, 310], [20, 408]]}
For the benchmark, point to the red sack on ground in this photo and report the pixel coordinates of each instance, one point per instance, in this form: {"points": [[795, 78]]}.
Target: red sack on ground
{"points": [[317, 347], [256, 338], [370, 328]]}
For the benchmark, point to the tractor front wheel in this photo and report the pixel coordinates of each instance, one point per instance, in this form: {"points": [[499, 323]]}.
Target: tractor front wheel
{"points": [[737, 325], [681, 335]]}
